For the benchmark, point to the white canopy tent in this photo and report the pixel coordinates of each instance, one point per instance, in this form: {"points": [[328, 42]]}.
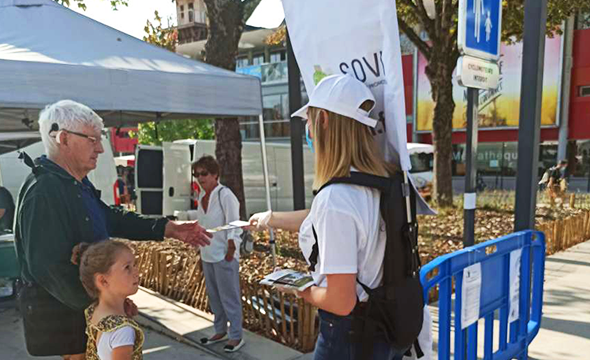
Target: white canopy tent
{"points": [[49, 53], [17, 140]]}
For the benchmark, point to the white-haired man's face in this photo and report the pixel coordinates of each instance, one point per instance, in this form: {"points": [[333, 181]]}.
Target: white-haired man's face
{"points": [[81, 148]]}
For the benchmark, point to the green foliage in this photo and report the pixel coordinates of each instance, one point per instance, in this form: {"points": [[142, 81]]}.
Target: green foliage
{"points": [[413, 15], [166, 37], [150, 134], [557, 12], [82, 3]]}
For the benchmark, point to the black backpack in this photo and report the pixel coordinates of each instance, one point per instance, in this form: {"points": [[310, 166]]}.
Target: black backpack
{"points": [[394, 311]]}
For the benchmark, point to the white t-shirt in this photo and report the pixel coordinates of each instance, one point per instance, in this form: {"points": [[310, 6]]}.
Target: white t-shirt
{"points": [[108, 341], [351, 235], [221, 198]]}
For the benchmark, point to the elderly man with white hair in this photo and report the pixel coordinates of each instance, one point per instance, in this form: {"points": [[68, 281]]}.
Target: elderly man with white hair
{"points": [[58, 208]]}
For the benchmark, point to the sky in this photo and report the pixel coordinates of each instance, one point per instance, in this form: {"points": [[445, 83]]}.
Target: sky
{"points": [[128, 19], [131, 19]]}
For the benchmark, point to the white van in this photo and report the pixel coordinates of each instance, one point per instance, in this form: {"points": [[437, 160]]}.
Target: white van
{"points": [[163, 174], [422, 160], [13, 171]]}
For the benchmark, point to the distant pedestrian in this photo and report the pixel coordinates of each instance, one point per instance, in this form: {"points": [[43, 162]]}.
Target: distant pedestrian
{"points": [[557, 183]]}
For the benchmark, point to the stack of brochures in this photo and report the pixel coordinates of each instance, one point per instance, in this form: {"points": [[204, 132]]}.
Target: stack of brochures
{"points": [[290, 279]]}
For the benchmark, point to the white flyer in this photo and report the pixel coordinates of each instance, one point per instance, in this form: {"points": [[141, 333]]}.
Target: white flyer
{"points": [[470, 295], [515, 257]]}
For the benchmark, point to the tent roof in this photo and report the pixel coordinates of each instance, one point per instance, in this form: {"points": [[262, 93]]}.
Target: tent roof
{"points": [[49, 53], [17, 140]]}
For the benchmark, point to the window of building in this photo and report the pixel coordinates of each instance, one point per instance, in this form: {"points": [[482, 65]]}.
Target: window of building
{"points": [[242, 62], [182, 12], [276, 115], [498, 161], [273, 107], [583, 21], [585, 91], [200, 12], [277, 56], [258, 59], [191, 13]]}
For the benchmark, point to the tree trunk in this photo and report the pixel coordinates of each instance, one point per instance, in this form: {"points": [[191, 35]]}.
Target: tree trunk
{"points": [[225, 29], [228, 152], [439, 72]]}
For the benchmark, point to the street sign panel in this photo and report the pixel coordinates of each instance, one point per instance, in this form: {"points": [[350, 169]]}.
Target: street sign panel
{"points": [[477, 73], [480, 28]]}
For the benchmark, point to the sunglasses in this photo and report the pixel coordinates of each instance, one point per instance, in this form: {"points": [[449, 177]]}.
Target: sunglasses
{"points": [[202, 173]]}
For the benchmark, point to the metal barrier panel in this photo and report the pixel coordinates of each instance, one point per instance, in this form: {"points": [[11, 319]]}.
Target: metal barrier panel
{"points": [[510, 267]]}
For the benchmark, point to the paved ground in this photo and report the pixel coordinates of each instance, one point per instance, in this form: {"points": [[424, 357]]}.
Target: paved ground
{"points": [[176, 328], [157, 346], [182, 321], [565, 327]]}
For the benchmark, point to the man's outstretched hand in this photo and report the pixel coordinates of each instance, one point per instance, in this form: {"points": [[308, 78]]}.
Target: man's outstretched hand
{"points": [[189, 232]]}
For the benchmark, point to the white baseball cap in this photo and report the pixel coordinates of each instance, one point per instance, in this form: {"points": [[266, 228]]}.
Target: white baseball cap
{"points": [[341, 94]]}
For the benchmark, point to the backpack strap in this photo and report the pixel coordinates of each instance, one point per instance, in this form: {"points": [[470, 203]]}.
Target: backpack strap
{"points": [[220, 204], [313, 257], [28, 161], [380, 183]]}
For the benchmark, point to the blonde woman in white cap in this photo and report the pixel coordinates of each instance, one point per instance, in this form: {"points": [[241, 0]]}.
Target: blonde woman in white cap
{"points": [[346, 219]]}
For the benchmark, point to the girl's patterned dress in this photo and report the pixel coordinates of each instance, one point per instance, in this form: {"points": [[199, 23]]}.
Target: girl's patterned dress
{"points": [[108, 324]]}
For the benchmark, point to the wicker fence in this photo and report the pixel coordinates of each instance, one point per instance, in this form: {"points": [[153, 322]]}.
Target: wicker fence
{"points": [[563, 234], [174, 270]]}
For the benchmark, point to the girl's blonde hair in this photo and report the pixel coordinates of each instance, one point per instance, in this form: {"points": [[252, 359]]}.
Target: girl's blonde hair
{"points": [[96, 258], [344, 143]]}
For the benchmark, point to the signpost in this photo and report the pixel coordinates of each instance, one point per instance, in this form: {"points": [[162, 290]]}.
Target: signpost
{"points": [[297, 170], [529, 131], [480, 31]]}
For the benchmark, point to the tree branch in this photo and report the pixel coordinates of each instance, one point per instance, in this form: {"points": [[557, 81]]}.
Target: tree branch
{"points": [[414, 38], [438, 18], [426, 22], [447, 15]]}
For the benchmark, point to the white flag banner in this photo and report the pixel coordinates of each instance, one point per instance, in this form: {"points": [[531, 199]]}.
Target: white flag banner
{"points": [[360, 38]]}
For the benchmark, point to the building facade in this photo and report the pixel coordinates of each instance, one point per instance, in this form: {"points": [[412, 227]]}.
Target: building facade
{"points": [[497, 151]]}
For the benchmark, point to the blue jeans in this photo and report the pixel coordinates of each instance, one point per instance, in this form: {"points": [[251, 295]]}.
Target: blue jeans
{"points": [[334, 341]]}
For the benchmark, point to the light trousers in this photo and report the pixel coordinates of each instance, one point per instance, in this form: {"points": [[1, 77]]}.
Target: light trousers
{"points": [[223, 289]]}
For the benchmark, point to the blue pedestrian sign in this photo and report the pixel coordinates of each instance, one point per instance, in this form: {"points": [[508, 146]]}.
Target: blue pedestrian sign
{"points": [[480, 28]]}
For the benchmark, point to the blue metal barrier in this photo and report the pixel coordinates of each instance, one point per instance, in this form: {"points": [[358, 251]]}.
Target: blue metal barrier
{"points": [[494, 256]]}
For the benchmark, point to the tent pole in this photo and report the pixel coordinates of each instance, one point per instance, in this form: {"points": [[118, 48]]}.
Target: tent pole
{"points": [[267, 186]]}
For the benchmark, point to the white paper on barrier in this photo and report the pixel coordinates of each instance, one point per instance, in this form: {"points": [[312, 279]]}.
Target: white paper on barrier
{"points": [[470, 295], [515, 257]]}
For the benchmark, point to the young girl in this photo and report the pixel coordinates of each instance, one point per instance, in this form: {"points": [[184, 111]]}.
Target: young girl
{"points": [[109, 275]]}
